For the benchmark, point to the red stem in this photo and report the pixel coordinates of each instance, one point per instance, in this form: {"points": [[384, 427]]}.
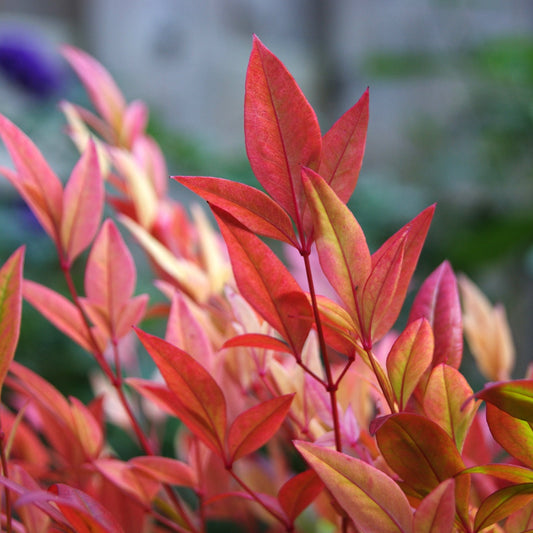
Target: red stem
{"points": [[5, 472]]}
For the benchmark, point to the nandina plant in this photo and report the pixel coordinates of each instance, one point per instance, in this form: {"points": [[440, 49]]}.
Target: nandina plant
{"points": [[301, 409]]}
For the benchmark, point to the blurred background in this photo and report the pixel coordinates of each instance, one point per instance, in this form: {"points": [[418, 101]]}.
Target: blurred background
{"points": [[451, 116]]}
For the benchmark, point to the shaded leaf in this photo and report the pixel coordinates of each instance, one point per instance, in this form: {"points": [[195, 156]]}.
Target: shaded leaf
{"points": [[371, 498], [438, 301], [10, 309], [83, 203], [340, 241], [166, 470], [201, 402], [299, 492], [513, 397], [257, 340], [408, 358], [281, 129], [343, 147], [250, 206], [446, 402], [256, 426], [436, 513]]}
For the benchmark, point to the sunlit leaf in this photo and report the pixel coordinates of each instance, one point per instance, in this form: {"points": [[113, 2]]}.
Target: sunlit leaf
{"points": [[371, 499], [10, 309], [340, 241], [446, 402], [166, 470], [514, 435], [281, 129], [408, 358], [513, 397], [403, 249], [502, 503], [251, 207], [343, 147], [256, 426], [507, 472], [438, 301]]}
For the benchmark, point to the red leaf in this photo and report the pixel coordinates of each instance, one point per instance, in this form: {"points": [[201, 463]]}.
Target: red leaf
{"points": [[202, 405], [299, 492], [502, 503], [83, 512], [251, 207], [340, 241], [34, 179], [57, 309], [10, 309], [281, 129], [266, 283], [411, 238], [110, 274], [256, 426], [83, 202], [513, 397], [436, 513], [514, 435], [438, 302], [446, 402], [343, 147], [409, 357], [371, 498]]}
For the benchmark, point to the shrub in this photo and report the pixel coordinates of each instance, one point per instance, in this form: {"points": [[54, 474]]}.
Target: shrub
{"points": [[300, 409]]}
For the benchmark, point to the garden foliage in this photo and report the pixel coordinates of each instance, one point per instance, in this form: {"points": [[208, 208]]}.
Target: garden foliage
{"points": [[301, 409]]}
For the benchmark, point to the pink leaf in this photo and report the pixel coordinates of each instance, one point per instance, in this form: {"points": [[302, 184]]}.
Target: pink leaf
{"points": [[256, 426], [34, 179], [10, 309], [57, 309], [343, 147], [110, 273], [103, 92], [83, 202], [438, 302], [281, 129], [201, 402], [371, 498], [436, 513], [165, 470], [251, 207], [409, 357]]}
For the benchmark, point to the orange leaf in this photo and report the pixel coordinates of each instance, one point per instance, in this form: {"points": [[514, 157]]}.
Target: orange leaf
{"points": [[436, 513], [199, 400], [299, 492], [256, 426], [10, 309]]}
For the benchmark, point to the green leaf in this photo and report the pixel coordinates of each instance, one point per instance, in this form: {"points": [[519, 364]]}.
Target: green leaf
{"points": [[513, 397]]}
